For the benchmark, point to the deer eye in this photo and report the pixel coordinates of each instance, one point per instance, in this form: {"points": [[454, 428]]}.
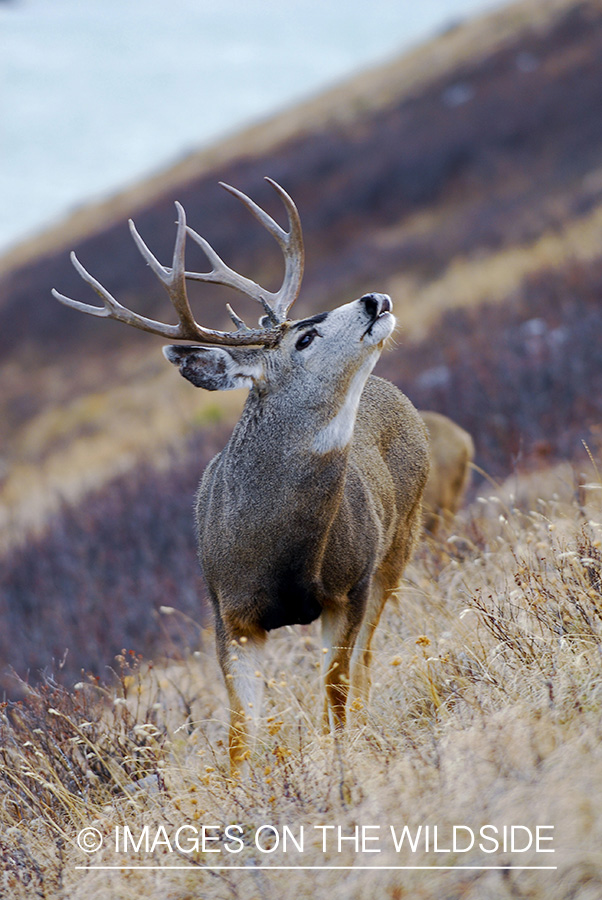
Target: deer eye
{"points": [[306, 339]]}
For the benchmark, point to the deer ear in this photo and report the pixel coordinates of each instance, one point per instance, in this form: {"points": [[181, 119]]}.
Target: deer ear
{"points": [[216, 368]]}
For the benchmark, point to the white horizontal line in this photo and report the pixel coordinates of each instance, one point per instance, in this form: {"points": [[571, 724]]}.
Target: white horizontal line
{"points": [[300, 868]]}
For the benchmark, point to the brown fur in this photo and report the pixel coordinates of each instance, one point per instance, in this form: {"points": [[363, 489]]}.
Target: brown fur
{"points": [[452, 452]]}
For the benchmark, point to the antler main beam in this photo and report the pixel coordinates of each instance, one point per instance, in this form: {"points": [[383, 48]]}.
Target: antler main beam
{"points": [[275, 305]]}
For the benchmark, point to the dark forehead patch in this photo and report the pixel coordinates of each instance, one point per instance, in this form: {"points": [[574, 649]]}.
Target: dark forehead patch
{"points": [[315, 320]]}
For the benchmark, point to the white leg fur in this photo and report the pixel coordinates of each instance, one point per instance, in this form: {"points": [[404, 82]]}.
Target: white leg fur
{"points": [[245, 684], [336, 652]]}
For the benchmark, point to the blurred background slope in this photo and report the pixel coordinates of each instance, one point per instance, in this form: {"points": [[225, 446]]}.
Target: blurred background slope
{"points": [[464, 178]]}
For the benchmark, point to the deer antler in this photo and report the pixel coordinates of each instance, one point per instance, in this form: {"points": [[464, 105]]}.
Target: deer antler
{"points": [[276, 304], [174, 281]]}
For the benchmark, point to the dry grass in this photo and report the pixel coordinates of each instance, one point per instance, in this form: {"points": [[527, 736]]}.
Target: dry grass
{"points": [[486, 710]]}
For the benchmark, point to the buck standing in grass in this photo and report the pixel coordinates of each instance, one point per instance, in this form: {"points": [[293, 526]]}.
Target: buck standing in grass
{"points": [[313, 507]]}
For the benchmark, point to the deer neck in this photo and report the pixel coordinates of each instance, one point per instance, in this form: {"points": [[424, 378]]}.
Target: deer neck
{"points": [[299, 432], [276, 441], [281, 493]]}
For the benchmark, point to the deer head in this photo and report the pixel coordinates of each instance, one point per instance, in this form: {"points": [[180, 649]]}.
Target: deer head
{"points": [[324, 358]]}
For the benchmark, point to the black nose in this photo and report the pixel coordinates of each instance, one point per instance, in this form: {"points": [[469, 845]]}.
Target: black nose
{"points": [[376, 304]]}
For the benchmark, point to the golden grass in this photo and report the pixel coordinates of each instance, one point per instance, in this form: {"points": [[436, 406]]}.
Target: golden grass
{"points": [[486, 710]]}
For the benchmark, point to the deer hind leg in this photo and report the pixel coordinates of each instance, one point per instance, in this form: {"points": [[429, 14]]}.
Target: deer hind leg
{"points": [[339, 631], [241, 659], [361, 658]]}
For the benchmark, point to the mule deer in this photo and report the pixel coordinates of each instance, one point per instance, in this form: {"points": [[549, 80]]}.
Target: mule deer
{"points": [[312, 508], [452, 452]]}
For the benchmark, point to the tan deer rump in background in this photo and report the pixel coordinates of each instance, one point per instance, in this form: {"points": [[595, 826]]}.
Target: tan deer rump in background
{"points": [[452, 453], [313, 507]]}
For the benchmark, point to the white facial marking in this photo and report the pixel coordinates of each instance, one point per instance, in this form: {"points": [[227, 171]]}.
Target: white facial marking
{"points": [[244, 376], [337, 434]]}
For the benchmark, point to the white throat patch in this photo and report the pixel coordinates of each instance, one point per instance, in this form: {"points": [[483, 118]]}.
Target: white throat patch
{"points": [[337, 434]]}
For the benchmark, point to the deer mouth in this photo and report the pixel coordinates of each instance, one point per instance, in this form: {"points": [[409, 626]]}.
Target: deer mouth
{"points": [[379, 308]]}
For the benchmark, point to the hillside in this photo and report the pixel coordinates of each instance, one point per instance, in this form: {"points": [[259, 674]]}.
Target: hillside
{"points": [[464, 179]]}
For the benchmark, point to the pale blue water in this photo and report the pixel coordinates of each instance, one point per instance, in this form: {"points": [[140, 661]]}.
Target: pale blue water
{"points": [[95, 94]]}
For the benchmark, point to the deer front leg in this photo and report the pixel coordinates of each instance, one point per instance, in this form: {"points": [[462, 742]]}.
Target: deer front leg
{"points": [[241, 659], [361, 658], [339, 632]]}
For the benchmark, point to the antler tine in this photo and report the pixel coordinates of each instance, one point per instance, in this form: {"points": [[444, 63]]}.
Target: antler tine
{"points": [[221, 273], [294, 252], [109, 302], [260, 214], [111, 307], [174, 280], [276, 304]]}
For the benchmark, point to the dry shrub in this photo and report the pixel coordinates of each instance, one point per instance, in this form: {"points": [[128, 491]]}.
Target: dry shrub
{"points": [[486, 709], [102, 570]]}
